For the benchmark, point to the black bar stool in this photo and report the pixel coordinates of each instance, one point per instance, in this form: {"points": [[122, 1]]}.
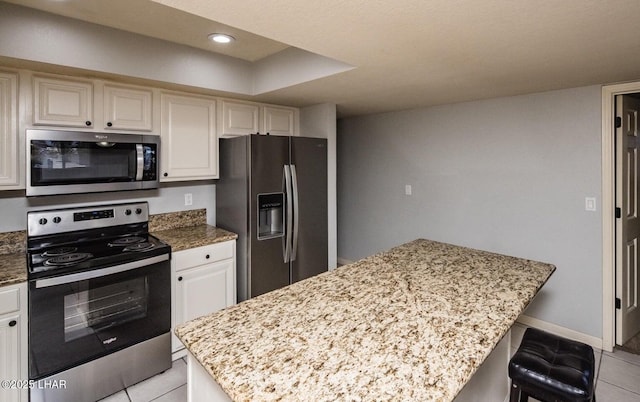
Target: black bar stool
{"points": [[551, 368]]}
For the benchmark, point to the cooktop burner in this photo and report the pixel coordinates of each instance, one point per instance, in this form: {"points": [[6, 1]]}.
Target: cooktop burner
{"points": [[67, 259], [55, 252], [124, 241], [144, 246]]}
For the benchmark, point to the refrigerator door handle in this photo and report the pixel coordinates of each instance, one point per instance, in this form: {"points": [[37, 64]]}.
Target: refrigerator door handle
{"points": [[286, 246], [294, 182]]}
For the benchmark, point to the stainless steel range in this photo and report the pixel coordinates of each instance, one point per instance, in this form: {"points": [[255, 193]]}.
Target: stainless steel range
{"points": [[99, 301]]}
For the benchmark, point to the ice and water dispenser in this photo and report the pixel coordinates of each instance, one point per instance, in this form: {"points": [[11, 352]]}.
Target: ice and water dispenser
{"points": [[270, 215]]}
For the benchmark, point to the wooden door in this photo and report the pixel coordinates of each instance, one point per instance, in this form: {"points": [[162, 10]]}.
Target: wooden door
{"points": [[627, 222]]}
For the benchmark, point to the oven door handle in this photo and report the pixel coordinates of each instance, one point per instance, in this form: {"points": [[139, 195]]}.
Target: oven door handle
{"points": [[81, 276]]}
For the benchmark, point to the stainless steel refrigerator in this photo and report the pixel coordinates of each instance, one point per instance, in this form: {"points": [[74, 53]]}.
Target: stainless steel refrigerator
{"points": [[272, 192]]}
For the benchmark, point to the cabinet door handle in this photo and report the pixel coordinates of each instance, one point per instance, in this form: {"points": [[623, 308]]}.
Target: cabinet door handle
{"points": [[109, 124], [13, 323], [207, 256], [166, 174], [88, 123], [180, 279]]}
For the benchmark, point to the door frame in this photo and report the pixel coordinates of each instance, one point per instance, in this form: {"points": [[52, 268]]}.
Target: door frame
{"points": [[609, 93]]}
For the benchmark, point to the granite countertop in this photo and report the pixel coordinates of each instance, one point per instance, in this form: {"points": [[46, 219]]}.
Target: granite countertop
{"points": [[413, 323], [13, 261], [193, 236], [13, 268]]}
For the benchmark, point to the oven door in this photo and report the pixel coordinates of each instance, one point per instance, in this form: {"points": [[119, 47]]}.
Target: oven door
{"points": [[63, 162], [74, 320]]}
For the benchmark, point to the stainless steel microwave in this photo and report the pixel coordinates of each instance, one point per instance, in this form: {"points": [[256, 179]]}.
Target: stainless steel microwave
{"points": [[70, 162]]}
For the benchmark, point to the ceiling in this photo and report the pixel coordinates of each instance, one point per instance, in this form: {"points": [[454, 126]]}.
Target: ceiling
{"points": [[407, 54]]}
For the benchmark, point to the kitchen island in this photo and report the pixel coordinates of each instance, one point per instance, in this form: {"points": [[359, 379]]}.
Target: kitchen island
{"points": [[413, 323]]}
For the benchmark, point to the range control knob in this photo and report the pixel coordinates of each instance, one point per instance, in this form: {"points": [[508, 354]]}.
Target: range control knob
{"points": [[127, 212], [138, 211], [57, 219], [42, 221]]}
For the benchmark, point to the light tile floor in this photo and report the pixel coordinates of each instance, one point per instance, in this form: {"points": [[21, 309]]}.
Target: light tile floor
{"points": [[617, 378], [170, 386]]}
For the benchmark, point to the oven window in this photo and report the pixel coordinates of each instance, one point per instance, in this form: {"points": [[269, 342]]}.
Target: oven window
{"points": [[87, 311], [77, 162]]}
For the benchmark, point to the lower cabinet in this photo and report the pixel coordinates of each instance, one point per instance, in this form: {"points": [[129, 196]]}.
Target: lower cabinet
{"points": [[203, 282], [13, 339]]}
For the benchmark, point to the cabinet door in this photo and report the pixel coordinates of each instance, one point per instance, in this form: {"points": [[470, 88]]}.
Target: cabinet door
{"points": [[189, 141], [239, 118], [203, 290], [127, 108], [62, 102], [9, 156], [279, 121], [10, 352]]}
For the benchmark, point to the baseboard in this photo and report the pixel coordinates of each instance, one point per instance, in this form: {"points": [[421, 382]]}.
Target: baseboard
{"points": [[344, 261], [560, 331]]}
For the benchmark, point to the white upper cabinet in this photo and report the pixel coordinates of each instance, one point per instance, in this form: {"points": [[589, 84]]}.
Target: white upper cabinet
{"points": [[239, 118], [9, 156], [58, 102], [68, 102], [127, 108], [280, 120], [242, 118], [189, 141]]}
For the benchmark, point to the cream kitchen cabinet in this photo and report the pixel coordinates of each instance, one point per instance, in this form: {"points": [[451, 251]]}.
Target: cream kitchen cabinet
{"points": [[79, 103], [62, 102], [189, 140], [127, 108], [203, 282], [242, 118], [9, 146], [237, 118], [13, 337], [277, 120]]}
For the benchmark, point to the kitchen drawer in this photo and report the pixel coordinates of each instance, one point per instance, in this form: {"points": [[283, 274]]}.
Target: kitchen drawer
{"points": [[9, 300], [203, 255]]}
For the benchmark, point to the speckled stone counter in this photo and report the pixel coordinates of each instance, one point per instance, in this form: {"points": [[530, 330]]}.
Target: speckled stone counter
{"points": [[13, 268], [13, 263], [183, 238], [413, 323]]}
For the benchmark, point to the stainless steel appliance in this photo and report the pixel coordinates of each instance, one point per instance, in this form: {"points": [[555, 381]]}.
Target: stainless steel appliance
{"points": [[67, 162], [99, 301], [273, 192]]}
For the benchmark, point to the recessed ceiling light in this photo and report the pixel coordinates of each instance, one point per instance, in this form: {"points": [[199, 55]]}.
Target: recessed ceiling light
{"points": [[221, 38]]}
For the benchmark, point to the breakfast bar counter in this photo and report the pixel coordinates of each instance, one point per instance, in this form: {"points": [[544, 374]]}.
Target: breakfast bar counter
{"points": [[413, 323]]}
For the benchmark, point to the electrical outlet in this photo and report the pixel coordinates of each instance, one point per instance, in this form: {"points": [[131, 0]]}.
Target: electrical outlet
{"points": [[590, 204], [188, 199], [407, 189]]}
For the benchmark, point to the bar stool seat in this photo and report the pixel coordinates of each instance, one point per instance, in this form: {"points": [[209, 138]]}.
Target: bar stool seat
{"points": [[551, 368]]}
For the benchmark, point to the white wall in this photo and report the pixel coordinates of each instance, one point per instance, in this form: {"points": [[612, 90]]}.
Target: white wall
{"points": [[507, 175], [320, 121], [169, 198]]}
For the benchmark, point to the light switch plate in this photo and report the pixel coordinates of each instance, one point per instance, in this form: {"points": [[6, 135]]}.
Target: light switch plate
{"points": [[188, 199], [407, 189], [590, 204]]}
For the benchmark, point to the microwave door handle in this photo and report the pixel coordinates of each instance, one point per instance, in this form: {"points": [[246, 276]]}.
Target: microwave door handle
{"points": [[140, 160]]}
